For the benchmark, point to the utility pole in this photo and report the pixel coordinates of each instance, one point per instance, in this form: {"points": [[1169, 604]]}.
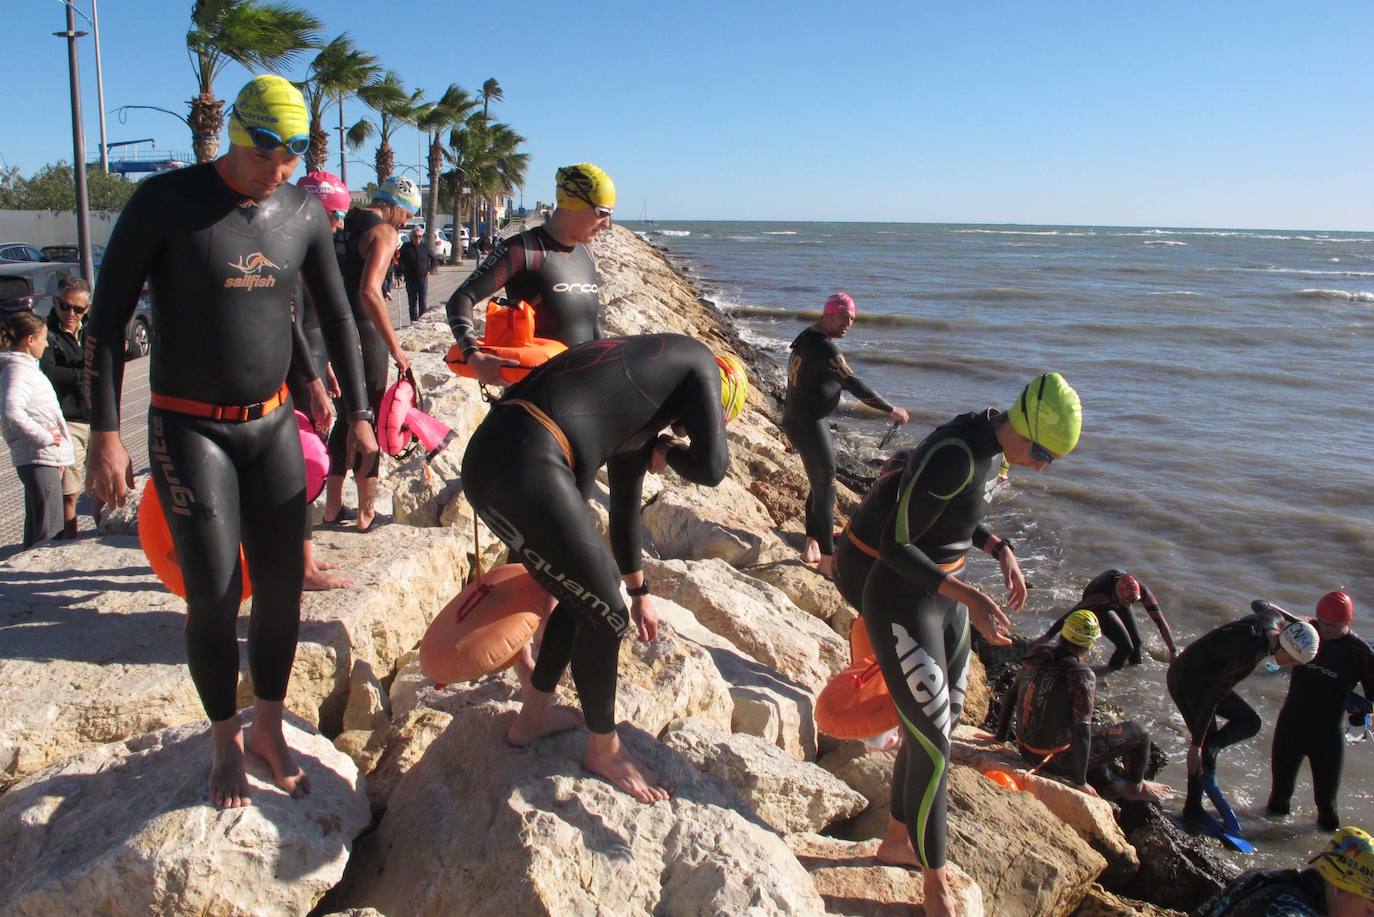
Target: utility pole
{"points": [[343, 163], [100, 89], [83, 209]]}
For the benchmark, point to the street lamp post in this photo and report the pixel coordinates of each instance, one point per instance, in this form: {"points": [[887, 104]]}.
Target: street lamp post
{"points": [[100, 88], [83, 210]]}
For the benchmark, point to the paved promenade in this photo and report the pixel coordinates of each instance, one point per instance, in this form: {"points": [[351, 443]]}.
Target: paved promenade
{"points": [[134, 416]]}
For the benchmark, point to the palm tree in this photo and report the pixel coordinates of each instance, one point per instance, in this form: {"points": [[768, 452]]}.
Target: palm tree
{"points": [[491, 90], [485, 158], [454, 107], [394, 107], [338, 70], [255, 33]]}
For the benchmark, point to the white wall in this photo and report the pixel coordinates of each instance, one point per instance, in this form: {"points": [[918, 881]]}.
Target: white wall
{"points": [[52, 227]]}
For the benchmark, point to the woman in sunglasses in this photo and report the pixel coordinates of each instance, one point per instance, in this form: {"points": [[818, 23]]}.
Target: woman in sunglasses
{"points": [[64, 365], [34, 429], [912, 531]]}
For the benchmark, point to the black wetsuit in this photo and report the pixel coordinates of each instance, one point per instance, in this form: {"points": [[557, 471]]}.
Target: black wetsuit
{"points": [[1201, 681], [1053, 701], [1115, 618], [376, 356], [309, 357], [222, 270], [1269, 893], [558, 281], [1310, 726], [924, 511], [608, 400], [816, 374]]}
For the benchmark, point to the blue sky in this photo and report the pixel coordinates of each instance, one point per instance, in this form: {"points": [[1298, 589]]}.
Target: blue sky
{"points": [[1176, 114]]}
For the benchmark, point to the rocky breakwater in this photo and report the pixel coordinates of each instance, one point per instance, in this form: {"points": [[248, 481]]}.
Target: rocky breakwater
{"points": [[102, 742]]}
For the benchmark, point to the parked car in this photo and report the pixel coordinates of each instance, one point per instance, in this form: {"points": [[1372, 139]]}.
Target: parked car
{"points": [[443, 248], [72, 254], [138, 337], [33, 283], [21, 251]]}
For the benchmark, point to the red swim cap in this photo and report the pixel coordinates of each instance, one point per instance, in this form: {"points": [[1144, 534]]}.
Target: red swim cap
{"points": [[329, 188], [840, 302], [1128, 588], [1336, 608]]}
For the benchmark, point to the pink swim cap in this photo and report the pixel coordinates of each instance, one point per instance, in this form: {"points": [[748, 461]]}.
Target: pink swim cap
{"points": [[840, 302], [330, 189]]}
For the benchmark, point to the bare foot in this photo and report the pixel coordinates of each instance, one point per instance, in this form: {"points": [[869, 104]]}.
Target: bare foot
{"points": [[939, 900], [318, 581], [896, 849], [532, 724], [228, 779], [365, 520], [609, 760], [270, 745], [811, 552], [825, 566]]}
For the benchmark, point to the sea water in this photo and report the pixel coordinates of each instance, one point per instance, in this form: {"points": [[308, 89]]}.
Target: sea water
{"points": [[1227, 379]]}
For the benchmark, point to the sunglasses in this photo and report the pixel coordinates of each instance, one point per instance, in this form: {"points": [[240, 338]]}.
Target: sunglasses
{"points": [[1041, 454], [269, 140], [68, 307]]}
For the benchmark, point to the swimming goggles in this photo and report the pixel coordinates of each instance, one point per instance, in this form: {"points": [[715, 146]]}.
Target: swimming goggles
{"points": [[1040, 453], [268, 140]]}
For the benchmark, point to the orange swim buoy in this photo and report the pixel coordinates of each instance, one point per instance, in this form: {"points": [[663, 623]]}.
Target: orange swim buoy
{"points": [[860, 647], [509, 335], [484, 627], [155, 537], [1003, 779], [856, 703]]}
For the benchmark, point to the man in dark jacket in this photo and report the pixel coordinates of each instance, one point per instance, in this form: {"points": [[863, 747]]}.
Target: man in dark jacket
{"points": [[417, 263], [64, 365]]}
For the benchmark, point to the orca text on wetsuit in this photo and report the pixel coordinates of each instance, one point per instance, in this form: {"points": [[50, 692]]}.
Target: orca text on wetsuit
{"points": [[222, 269], [816, 374], [1202, 680], [1309, 724], [1053, 699], [1116, 619], [558, 281], [531, 466]]}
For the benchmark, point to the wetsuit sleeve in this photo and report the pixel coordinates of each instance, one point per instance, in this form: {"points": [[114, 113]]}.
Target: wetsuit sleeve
{"points": [[838, 367], [320, 274], [133, 249], [505, 261], [1082, 684], [926, 489], [707, 458], [1009, 699], [1157, 615], [302, 370], [981, 535], [625, 474]]}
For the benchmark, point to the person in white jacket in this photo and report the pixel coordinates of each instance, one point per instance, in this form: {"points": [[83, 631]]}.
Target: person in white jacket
{"points": [[34, 429]]}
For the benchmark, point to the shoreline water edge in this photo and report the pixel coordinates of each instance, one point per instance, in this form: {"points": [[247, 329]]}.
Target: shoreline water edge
{"points": [[420, 807]]}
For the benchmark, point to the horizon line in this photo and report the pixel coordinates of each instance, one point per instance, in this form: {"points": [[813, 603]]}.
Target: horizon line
{"points": [[1037, 225]]}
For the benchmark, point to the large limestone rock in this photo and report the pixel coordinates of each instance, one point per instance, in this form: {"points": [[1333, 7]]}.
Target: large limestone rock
{"points": [[510, 831], [1018, 852], [126, 828], [854, 884], [669, 678], [727, 522], [787, 794], [758, 618], [1177, 869], [869, 773], [1102, 903], [808, 590]]}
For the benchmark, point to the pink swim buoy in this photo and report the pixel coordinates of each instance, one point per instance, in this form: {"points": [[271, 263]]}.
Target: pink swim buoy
{"points": [[316, 458]]}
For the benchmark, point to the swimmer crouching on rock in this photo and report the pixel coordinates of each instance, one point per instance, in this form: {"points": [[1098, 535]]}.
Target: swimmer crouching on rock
{"points": [[528, 471]]}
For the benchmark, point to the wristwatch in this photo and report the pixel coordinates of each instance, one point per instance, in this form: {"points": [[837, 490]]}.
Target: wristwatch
{"points": [[365, 414], [1003, 545], [641, 589]]}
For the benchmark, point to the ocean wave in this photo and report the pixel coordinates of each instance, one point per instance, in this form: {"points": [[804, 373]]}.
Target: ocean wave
{"points": [[982, 293], [1175, 293], [1163, 242], [1306, 273], [1346, 295], [869, 318], [673, 232], [781, 232], [981, 368], [1021, 232]]}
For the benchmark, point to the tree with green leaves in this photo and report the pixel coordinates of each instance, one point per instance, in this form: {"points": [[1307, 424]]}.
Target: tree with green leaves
{"points": [[255, 33], [491, 90], [485, 157], [339, 70], [453, 108], [53, 187], [394, 106]]}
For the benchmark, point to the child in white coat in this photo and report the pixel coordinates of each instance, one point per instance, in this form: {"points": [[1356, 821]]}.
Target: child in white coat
{"points": [[35, 432]]}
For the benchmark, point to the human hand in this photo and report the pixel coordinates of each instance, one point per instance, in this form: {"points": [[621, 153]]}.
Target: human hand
{"points": [[362, 448], [402, 359], [900, 415], [321, 408], [487, 367], [990, 620], [1014, 579], [109, 473], [645, 616], [56, 436], [331, 382], [658, 458]]}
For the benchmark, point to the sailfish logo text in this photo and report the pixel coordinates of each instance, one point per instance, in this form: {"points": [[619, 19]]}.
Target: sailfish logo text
{"points": [[252, 267], [924, 678]]}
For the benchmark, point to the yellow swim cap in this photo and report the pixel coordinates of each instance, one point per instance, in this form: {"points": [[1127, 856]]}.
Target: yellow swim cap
{"points": [[1048, 412], [584, 185], [269, 103], [1081, 628], [734, 385], [1348, 862]]}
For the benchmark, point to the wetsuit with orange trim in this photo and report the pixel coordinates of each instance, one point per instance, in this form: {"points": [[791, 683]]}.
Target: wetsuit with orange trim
{"points": [[222, 269], [921, 517], [532, 464], [1116, 619], [1202, 681], [816, 374], [559, 281], [1053, 700]]}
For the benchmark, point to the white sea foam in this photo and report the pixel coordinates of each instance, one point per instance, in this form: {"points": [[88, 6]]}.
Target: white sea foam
{"points": [[1347, 295], [1163, 242], [673, 232], [1308, 273], [1175, 293], [781, 232], [1021, 232]]}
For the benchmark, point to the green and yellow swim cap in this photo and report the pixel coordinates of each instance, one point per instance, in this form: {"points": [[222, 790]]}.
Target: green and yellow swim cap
{"points": [[272, 103], [1348, 862], [1081, 628], [1048, 412], [584, 185], [734, 385]]}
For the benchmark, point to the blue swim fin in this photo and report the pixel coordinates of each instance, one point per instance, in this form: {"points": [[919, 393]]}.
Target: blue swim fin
{"points": [[1229, 825]]}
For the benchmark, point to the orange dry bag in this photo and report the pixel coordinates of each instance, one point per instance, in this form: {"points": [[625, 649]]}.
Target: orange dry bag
{"points": [[510, 334]]}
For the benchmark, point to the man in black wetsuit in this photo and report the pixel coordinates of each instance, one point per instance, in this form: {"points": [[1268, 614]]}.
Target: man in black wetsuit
{"points": [[1110, 596], [221, 245], [368, 244], [1340, 885], [528, 471], [548, 267], [897, 563], [1309, 724], [1202, 681], [816, 373], [1053, 699]]}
